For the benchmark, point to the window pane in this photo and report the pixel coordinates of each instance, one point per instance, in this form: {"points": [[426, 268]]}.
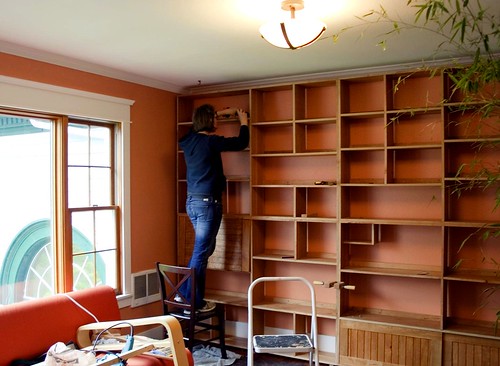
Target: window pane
{"points": [[78, 144], [108, 274], [100, 186], [105, 230], [84, 271], [78, 183], [26, 254], [95, 248], [100, 149], [83, 232]]}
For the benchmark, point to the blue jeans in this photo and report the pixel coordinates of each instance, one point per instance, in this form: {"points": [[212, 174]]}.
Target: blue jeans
{"points": [[205, 214]]}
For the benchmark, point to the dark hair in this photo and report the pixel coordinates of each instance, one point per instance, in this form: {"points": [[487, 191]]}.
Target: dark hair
{"points": [[203, 118]]}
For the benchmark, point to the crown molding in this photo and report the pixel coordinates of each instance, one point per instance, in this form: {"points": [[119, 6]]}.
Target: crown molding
{"points": [[72, 63], [329, 75]]}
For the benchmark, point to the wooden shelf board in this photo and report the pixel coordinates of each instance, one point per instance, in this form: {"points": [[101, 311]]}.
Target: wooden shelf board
{"points": [[227, 297], [274, 153], [353, 220], [417, 110], [281, 257], [471, 139], [409, 320], [272, 218], [319, 260], [318, 121], [369, 114], [273, 123], [395, 270], [378, 147], [298, 184], [289, 257], [238, 178], [371, 182], [434, 182], [317, 219], [467, 328], [399, 183], [487, 277], [295, 308], [230, 215], [316, 153], [430, 145], [472, 224], [462, 178]]}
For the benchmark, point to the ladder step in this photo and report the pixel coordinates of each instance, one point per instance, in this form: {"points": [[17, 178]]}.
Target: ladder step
{"points": [[282, 343]]}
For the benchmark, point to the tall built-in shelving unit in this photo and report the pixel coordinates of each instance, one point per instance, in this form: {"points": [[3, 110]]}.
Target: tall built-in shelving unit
{"points": [[352, 184], [294, 204]]}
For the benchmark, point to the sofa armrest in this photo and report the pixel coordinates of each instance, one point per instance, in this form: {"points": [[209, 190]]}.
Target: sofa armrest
{"points": [[170, 323]]}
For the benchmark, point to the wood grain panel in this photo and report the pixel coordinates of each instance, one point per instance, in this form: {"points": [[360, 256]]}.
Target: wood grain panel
{"points": [[470, 351], [232, 248], [381, 345]]}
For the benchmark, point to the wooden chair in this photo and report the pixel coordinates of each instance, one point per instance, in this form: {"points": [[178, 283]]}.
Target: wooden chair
{"points": [[209, 325], [172, 329]]}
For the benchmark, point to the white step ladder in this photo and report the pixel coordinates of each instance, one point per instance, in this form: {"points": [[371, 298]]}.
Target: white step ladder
{"points": [[283, 343]]}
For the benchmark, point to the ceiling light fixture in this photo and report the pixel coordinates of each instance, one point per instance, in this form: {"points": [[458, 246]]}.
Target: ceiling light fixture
{"points": [[292, 33]]}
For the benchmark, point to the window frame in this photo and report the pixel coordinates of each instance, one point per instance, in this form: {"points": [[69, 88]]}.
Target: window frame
{"points": [[26, 96]]}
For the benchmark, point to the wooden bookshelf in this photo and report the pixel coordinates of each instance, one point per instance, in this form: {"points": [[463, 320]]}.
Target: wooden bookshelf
{"points": [[353, 181]]}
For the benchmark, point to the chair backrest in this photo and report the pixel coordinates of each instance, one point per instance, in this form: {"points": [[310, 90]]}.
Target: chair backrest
{"points": [[171, 279]]}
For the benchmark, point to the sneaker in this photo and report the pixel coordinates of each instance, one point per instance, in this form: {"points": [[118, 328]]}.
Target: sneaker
{"points": [[209, 306], [178, 299]]}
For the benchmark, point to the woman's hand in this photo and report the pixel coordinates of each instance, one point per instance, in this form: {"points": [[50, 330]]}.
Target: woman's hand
{"points": [[243, 117]]}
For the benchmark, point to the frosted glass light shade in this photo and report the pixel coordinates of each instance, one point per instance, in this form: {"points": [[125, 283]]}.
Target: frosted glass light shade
{"points": [[293, 33]]}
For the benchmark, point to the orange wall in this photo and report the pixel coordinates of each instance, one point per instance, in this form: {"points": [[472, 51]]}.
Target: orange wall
{"points": [[153, 153]]}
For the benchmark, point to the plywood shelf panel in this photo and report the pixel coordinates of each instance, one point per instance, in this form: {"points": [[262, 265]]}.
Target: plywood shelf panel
{"points": [[361, 131], [474, 328], [323, 311], [411, 320], [414, 90], [478, 276], [316, 100], [362, 95], [394, 202], [471, 302], [315, 137], [392, 295], [227, 297], [284, 169], [464, 207], [392, 269], [391, 222], [186, 104]]}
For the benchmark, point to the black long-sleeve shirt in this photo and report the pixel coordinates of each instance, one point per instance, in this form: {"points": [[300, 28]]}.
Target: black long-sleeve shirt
{"points": [[202, 152]]}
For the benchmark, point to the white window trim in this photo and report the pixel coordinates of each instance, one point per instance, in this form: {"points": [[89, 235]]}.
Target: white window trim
{"points": [[40, 97]]}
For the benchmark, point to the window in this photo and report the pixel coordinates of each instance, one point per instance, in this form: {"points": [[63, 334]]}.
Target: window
{"points": [[51, 241], [18, 94]]}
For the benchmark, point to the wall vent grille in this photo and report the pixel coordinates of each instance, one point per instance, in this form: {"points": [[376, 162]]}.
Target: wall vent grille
{"points": [[146, 288]]}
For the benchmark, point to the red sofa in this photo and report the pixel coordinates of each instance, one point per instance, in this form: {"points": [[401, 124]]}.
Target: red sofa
{"points": [[28, 329]]}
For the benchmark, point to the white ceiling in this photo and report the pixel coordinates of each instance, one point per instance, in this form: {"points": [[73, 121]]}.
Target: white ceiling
{"points": [[175, 44]]}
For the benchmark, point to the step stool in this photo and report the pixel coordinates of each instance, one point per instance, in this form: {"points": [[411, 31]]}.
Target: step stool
{"points": [[282, 343]]}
